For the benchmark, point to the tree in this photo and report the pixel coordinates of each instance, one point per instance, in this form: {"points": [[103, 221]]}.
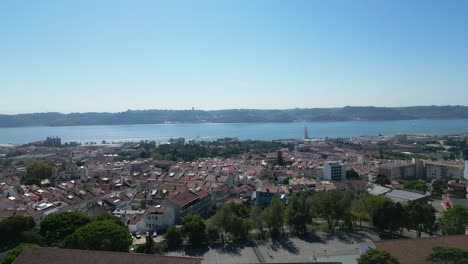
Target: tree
{"points": [[390, 217], [297, 213], [233, 219], [448, 255], [212, 233], [173, 237], [274, 216], [223, 220], [32, 181], [437, 187], [149, 244], [331, 205], [382, 180], [15, 230], [40, 170], [421, 218], [376, 256], [258, 220], [56, 227], [352, 175], [452, 156], [100, 235], [194, 228], [108, 216], [279, 158], [454, 220], [416, 185], [363, 209], [12, 254]]}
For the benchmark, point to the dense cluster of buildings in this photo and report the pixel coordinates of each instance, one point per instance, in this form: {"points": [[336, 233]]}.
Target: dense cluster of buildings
{"points": [[423, 169], [148, 194]]}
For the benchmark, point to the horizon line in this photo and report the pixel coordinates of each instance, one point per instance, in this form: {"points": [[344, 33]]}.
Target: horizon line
{"points": [[228, 109]]}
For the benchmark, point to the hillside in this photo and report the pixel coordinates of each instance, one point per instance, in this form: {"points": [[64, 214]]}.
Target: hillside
{"points": [[235, 116]]}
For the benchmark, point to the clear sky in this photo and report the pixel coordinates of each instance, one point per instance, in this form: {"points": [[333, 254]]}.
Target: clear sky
{"points": [[110, 55]]}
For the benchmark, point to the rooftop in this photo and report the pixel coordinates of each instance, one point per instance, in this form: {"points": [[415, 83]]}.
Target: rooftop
{"points": [[73, 256]]}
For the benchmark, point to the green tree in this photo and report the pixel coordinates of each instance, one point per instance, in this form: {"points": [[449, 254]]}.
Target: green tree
{"points": [[390, 217], [448, 255], [437, 187], [279, 158], [331, 206], [32, 181], [382, 180], [454, 220], [40, 170], [420, 217], [274, 216], [56, 227], [297, 213], [258, 220], [194, 227], [376, 256], [352, 175], [223, 220], [416, 185], [100, 235], [108, 216], [212, 233], [168, 157], [173, 237], [15, 230], [12, 254], [363, 209], [149, 244]]}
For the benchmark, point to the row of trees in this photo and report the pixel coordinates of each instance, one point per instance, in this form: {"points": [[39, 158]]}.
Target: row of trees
{"points": [[438, 255], [347, 209]]}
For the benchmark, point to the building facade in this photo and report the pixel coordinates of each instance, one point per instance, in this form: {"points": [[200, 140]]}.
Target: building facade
{"points": [[334, 171]]}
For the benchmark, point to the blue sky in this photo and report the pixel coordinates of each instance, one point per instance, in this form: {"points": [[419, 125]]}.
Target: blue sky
{"points": [[80, 56]]}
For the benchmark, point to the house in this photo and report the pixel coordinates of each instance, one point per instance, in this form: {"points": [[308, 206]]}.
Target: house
{"points": [[264, 195], [190, 202], [220, 193], [159, 217]]}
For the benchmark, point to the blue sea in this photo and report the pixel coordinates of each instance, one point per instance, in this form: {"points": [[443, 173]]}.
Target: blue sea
{"points": [[262, 131]]}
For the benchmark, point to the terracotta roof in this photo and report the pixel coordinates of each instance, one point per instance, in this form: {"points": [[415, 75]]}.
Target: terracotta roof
{"points": [[72, 256], [415, 251], [185, 198]]}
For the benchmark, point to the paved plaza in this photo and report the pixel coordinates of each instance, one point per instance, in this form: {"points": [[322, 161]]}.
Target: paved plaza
{"points": [[341, 246]]}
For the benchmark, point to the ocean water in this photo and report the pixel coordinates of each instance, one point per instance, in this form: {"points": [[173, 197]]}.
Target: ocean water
{"points": [[262, 131]]}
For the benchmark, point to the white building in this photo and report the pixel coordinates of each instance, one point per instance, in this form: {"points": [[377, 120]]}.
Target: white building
{"points": [[334, 171]]}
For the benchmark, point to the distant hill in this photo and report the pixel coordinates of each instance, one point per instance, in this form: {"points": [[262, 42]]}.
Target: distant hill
{"points": [[235, 116]]}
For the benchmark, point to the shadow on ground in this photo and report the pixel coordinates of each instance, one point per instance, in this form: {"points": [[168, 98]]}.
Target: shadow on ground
{"points": [[233, 249], [285, 244]]}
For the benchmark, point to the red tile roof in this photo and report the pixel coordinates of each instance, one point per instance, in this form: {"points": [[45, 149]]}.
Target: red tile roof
{"points": [[73, 256]]}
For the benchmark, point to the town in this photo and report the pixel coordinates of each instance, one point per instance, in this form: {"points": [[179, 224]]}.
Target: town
{"points": [[260, 198]]}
